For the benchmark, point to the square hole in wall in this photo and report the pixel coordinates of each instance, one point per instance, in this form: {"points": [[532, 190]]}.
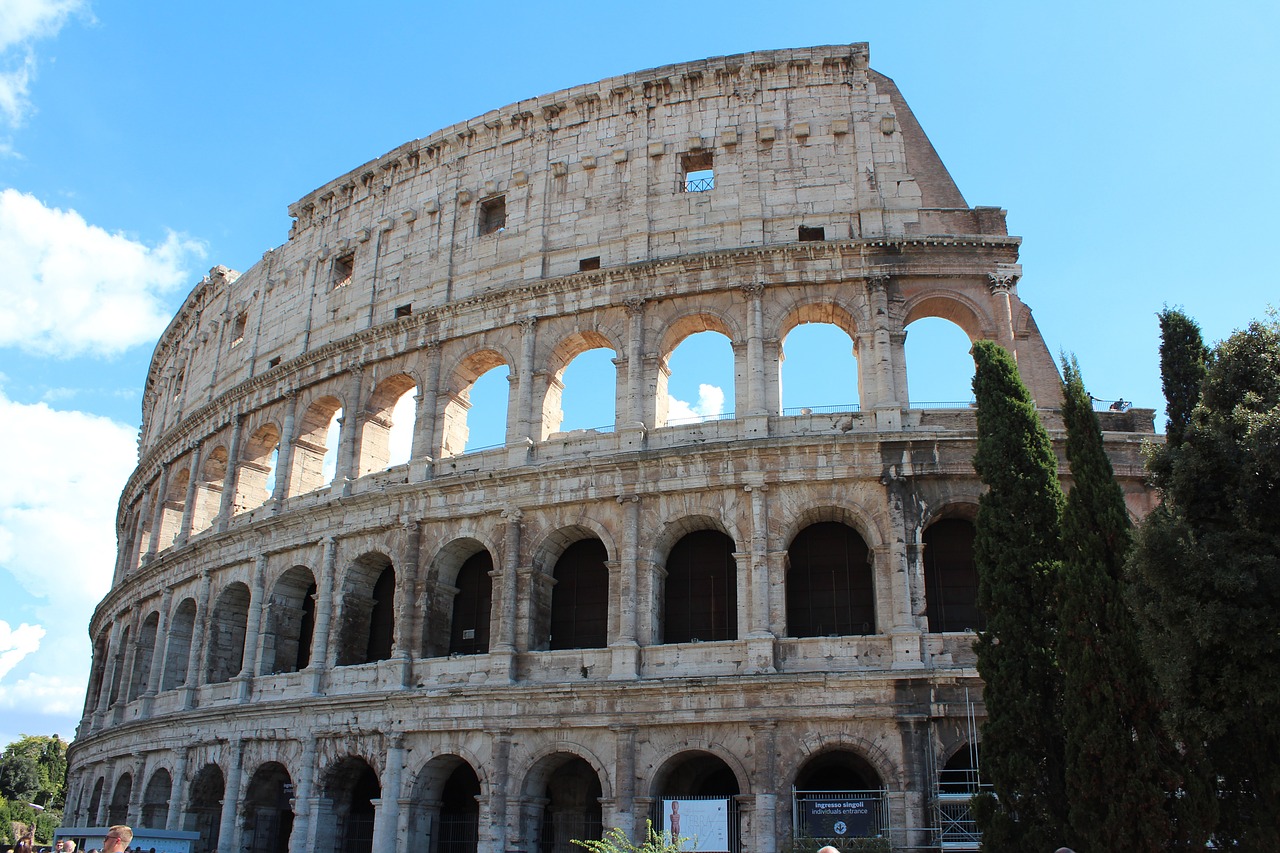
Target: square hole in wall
{"points": [[403, 311], [237, 328], [589, 264], [275, 362], [493, 214], [697, 172], [814, 234], [343, 268]]}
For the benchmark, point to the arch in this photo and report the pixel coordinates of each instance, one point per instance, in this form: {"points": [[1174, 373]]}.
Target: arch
{"points": [[456, 428], [444, 814], [178, 645], [951, 577], [213, 474], [118, 810], [705, 333], [570, 791], [175, 502], [947, 305], [384, 421], [830, 588], [228, 622], [819, 364], [579, 612], [961, 772], [95, 800], [939, 367], [101, 652], [579, 350], [117, 667], [699, 772], [472, 606], [141, 675], [368, 610], [840, 785], [267, 813], [700, 600], [446, 610], [203, 814], [347, 812], [155, 799], [315, 447], [256, 471], [291, 622]]}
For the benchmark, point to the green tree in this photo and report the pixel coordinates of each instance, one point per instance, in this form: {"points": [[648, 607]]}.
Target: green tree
{"points": [[1206, 580], [1183, 359], [1118, 755], [19, 777], [49, 753], [1016, 550]]}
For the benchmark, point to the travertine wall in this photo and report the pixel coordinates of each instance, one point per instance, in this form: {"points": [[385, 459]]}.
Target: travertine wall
{"points": [[298, 642]]}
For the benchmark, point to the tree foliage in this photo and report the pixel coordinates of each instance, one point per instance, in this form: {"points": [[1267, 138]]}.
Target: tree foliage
{"points": [[1206, 575], [616, 840], [1017, 549], [48, 755]]}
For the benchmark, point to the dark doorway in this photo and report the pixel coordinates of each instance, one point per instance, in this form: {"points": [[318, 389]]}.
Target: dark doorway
{"points": [[829, 583], [701, 601], [580, 598]]}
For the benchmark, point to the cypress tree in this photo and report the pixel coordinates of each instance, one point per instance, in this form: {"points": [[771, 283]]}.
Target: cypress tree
{"points": [[1016, 551], [1183, 357], [1117, 754]]}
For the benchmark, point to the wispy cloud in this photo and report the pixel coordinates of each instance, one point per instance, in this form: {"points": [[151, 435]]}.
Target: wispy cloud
{"points": [[710, 403], [16, 644], [72, 288], [22, 24]]}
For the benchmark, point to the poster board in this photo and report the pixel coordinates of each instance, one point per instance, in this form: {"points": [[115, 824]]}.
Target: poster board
{"points": [[704, 824]]}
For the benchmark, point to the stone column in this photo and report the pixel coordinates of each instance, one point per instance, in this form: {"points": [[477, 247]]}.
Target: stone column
{"points": [[385, 830], [625, 648], [634, 413], [760, 637], [301, 841], [348, 466], [498, 818], [1003, 282], [189, 505], [159, 653], [319, 660], [134, 811], [884, 391], [228, 837], [284, 458], [226, 507], [108, 788], [424, 424], [757, 415], [157, 513], [526, 423], [199, 637], [764, 738], [130, 657], [405, 639], [624, 746], [503, 648], [249, 661], [173, 820]]}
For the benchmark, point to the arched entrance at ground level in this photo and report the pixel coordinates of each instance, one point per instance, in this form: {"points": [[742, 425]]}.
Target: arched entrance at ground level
{"points": [[563, 795], [268, 817], [695, 796], [445, 814], [958, 780], [346, 816], [838, 794], [155, 800], [204, 808], [119, 810]]}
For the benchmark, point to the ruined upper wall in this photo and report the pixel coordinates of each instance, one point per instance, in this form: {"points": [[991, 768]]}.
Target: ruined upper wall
{"points": [[594, 174]]}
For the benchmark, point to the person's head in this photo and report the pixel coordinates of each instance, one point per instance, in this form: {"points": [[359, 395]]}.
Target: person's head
{"points": [[828, 849], [118, 838]]}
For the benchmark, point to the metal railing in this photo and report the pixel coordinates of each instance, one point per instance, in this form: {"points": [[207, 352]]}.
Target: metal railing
{"points": [[698, 185], [945, 404], [699, 419], [849, 814], [837, 408]]}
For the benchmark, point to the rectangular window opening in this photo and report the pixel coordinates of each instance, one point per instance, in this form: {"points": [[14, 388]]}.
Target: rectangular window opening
{"points": [[343, 268], [812, 235], [237, 328], [404, 311], [275, 362], [493, 215], [589, 264], [697, 172]]}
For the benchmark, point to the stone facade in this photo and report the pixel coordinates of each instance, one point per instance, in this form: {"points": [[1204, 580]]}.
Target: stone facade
{"points": [[501, 649]]}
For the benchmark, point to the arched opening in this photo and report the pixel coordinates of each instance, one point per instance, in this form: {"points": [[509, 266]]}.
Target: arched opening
{"points": [[696, 380], [445, 814], [818, 369], [268, 817], [386, 431], [117, 668], [178, 647], [571, 792], [315, 450], [256, 473], [118, 811], [939, 366], [958, 780], [701, 592], [580, 597], [155, 800], [475, 415], [229, 619], [291, 622], [350, 787], [951, 577], [175, 502], [204, 808], [695, 796], [469, 626], [582, 391], [213, 473], [368, 611], [829, 583], [141, 675], [95, 801], [838, 794], [101, 650]]}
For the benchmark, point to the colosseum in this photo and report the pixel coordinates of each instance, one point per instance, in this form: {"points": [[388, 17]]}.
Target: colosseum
{"points": [[753, 629]]}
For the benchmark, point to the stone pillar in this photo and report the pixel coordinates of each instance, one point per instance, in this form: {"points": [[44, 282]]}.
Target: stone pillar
{"points": [[760, 637], [634, 411], [134, 812], [385, 830], [405, 639], [764, 738], [189, 505], [226, 507], [249, 661], [173, 820], [284, 458], [624, 746], [496, 842], [527, 425], [301, 841], [199, 637], [157, 512], [319, 660], [130, 657], [159, 654], [108, 788], [424, 424], [625, 648], [1003, 282], [348, 466], [228, 834], [503, 649], [883, 391], [108, 675], [757, 414]]}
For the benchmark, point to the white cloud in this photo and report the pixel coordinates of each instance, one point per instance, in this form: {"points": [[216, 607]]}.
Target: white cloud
{"points": [[73, 288], [710, 403], [16, 644], [23, 22]]}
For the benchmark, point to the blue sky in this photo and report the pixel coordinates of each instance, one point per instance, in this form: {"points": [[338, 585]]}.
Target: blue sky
{"points": [[1134, 146]]}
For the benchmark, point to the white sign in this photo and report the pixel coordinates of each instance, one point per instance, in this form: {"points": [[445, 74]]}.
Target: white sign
{"points": [[704, 824]]}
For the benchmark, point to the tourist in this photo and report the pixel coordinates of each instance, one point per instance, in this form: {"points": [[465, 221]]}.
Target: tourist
{"points": [[117, 840]]}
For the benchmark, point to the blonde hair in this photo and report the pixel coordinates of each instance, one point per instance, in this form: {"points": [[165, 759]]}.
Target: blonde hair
{"points": [[123, 832]]}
